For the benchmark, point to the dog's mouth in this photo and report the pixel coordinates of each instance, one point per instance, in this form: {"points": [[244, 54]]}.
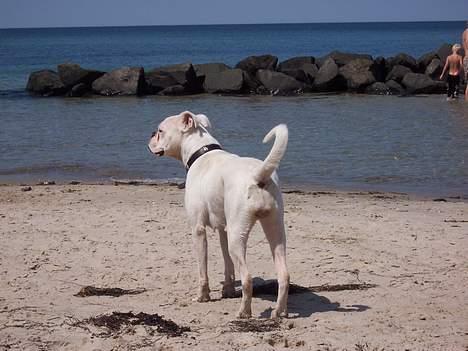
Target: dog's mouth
{"points": [[159, 153]]}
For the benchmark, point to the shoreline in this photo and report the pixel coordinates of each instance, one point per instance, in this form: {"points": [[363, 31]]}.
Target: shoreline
{"points": [[286, 187], [58, 239]]}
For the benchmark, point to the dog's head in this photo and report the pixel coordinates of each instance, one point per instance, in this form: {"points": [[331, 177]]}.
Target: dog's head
{"points": [[167, 140]]}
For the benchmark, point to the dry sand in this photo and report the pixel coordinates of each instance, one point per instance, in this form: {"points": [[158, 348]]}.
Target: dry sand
{"points": [[57, 239]]}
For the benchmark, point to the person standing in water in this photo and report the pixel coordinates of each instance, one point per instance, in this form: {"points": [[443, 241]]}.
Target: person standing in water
{"points": [[454, 65]]}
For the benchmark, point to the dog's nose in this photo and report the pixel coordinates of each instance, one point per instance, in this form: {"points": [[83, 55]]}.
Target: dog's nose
{"points": [[153, 134]]}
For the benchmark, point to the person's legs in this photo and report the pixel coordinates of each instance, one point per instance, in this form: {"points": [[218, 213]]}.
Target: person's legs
{"points": [[465, 67]]}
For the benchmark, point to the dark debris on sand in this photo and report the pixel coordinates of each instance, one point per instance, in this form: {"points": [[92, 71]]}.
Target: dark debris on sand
{"points": [[254, 325], [116, 322], [271, 288], [115, 292]]}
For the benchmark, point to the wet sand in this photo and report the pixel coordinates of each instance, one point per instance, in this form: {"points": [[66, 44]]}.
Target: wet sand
{"points": [[57, 239]]}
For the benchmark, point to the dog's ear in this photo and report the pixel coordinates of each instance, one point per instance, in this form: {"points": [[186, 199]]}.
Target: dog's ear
{"points": [[188, 121], [203, 121]]}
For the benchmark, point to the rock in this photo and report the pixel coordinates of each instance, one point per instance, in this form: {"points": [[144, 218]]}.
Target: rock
{"points": [[205, 69], [185, 75], [406, 60], [252, 84], [434, 69], [72, 74], [252, 64], [122, 81], [444, 51], [79, 90], [173, 90], [295, 63], [395, 88], [226, 81], [358, 74], [26, 188], [298, 74], [425, 60], [46, 83], [380, 69], [328, 77], [311, 70], [397, 73], [378, 88], [417, 83], [158, 80], [342, 58], [279, 83]]}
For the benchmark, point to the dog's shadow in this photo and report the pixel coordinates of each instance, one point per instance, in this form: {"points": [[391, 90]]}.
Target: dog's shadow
{"points": [[302, 301]]}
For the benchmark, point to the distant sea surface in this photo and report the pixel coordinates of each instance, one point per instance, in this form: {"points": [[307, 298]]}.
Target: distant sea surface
{"points": [[415, 144]]}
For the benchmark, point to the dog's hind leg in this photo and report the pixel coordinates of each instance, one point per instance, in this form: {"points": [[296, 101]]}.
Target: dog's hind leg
{"points": [[201, 247], [273, 226], [237, 237], [229, 277]]}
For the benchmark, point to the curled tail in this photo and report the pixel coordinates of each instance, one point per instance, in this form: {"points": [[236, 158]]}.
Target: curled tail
{"points": [[272, 161]]}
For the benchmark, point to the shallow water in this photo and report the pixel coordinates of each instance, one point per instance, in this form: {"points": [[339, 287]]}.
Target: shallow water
{"points": [[413, 144]]}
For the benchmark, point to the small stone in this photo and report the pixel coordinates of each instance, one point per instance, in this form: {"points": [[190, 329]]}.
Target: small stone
{"points": [[26, 188]]}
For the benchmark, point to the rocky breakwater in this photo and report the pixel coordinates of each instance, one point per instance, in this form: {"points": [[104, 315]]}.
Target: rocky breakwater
{"points": [[262, 75]]}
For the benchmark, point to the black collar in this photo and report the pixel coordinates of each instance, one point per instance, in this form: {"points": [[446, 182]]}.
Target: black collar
{"points": [[200, 152]]}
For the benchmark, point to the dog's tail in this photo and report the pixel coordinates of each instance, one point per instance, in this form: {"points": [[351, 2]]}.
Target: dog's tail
{"points": [[272, 161]]}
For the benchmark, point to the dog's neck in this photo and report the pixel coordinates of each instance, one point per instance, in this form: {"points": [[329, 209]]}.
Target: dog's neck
{"points": [[195, 141]]}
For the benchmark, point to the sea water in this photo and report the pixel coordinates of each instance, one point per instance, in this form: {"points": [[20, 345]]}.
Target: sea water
{"points": [[412, 144]]}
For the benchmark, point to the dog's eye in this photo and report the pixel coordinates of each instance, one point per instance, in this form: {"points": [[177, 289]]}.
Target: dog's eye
{"points": [[160, 131]]}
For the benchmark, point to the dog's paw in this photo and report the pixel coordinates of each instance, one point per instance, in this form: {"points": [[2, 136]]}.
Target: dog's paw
{"points": [[275, 314], [202, 298], [244, 314]]}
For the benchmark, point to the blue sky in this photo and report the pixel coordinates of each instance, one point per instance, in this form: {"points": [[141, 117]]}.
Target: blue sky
{"points": [[67, 13]]}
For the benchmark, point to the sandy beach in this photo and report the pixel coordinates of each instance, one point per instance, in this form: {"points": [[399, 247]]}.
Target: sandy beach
{"points": [[57, 239]]}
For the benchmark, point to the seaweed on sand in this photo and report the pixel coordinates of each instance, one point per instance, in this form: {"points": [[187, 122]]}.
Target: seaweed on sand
{"points": [[115, 292], [254, 325], [115, 323]]}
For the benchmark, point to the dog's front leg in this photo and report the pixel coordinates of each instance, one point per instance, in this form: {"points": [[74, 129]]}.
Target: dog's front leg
{"points": [[201, 248]]}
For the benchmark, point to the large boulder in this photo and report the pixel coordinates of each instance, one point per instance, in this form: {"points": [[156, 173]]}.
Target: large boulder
{"points": [[298, 74], [397, 73], [205, 69], [186, 76], [46, 83], [342, 58], [252, 64], [278, 83], [328, 77], [122, 81], [358, 74], [177, 89], [403, 59], [157, 80], [425, 60], [395, 88], [227, 81], [434, 69], [295, 63], [417, 83], [72, 74]]}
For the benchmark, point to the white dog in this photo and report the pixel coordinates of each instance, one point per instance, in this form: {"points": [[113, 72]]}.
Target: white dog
{"points": [[229, 194]]}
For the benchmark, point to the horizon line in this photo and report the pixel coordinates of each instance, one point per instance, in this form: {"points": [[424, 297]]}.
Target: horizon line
{"points": [[226, 24]]}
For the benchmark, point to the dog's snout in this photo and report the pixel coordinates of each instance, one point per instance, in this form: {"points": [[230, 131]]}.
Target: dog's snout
{"points": [[153, 134]]}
